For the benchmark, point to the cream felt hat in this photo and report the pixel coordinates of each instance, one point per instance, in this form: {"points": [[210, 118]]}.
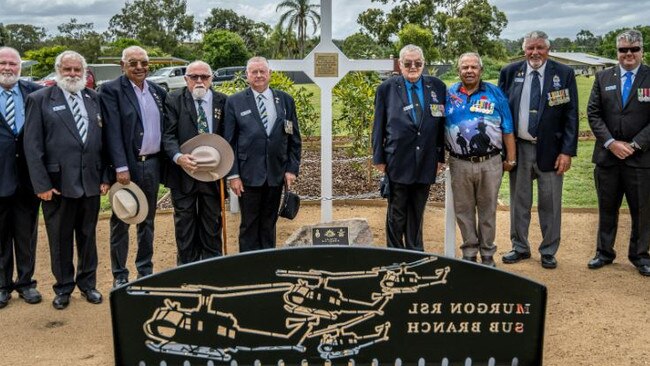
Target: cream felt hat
{"points": [[213, 156], [128, 202]]}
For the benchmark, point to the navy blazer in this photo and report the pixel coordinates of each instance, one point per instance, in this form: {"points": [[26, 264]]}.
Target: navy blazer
{"points": [[610, 120], [260, 158], [558, 124], [14, 172], [56, 156], [123, 119], [181, 125], [411, 150]]}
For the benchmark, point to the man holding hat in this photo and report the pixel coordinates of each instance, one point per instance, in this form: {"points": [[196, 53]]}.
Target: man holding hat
{"points": [[262, 127], [200, 158]]}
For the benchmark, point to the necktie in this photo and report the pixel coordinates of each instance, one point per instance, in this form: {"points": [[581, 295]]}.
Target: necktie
{"points": [[627, 86], [417, 108], [10, 111], [535, 96], [79, 121], [203, 119], [263, 114]]}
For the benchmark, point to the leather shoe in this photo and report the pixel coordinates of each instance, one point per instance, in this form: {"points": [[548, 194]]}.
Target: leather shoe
{"points": [[488, 261], [549, 261], [644, 269], [30, 295], [470, 259], [5, 296], [92, 296], [61, 302], [514, 256], [119, 282], [598, 262]]}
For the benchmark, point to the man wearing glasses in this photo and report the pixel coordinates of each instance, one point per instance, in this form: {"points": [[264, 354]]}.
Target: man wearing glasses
{"points": [[193, 110], [619, 116], [133, 111], [408, 145]]}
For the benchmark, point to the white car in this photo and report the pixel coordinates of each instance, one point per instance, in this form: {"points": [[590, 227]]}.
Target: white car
{"points": [[169, 77]]}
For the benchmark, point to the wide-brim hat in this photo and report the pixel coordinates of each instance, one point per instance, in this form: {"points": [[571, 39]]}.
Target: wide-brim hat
{"points": [[128, 202], [213, 155]]}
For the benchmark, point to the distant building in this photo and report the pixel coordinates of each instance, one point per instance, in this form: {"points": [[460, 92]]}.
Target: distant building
{"points": [[581, 63]]}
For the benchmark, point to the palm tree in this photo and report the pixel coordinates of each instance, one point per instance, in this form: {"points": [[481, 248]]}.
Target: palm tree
{"points": [[298, 14]]}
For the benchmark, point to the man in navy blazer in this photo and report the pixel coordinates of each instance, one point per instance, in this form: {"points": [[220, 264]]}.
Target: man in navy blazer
{"points": [[261, 125], [408, 145], [134, 112], [63, 147], [543, 98], [619, 116], [18, 204]]}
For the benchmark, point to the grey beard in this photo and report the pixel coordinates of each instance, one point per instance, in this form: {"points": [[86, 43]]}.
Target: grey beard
{"points": [[8, 81], [70, 84], [199, 93]]}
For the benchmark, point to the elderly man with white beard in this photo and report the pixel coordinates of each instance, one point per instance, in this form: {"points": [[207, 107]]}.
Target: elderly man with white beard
{"points": [[193, 110], [63, 147]]}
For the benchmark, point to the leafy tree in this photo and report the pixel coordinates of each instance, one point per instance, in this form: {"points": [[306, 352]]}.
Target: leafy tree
{"points": [[459, 39], [80, 37], [24, 37], [161, 23], [223, 48], [486, 23], [362, 46], [562, 44], [253, 33], [45, 57], [586, 41], [414, 34], [4, 35], [513, 47], [299, 13], [283, 43]]}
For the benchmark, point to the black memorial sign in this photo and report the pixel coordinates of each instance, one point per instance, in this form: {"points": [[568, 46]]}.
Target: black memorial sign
{"points": [[330, 235], [329, 304]]}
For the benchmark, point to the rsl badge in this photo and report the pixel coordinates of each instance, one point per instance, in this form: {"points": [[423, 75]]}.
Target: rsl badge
{"points": [[643, 94], [556, 82], [434, 97]]}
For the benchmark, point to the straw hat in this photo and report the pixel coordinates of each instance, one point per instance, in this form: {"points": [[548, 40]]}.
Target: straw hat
{"points": [[128, 202], [213, 156]]}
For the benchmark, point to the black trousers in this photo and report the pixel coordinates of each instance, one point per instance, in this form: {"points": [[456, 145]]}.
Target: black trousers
{"points": [[197, 222], [405, 214], [70, 220], [150, 171], [18, 236], [259, 214], [612, 183]]}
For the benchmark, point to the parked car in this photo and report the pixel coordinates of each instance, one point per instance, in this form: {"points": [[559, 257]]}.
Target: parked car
{"points": [[96, 75], [227, 73], [169, 77]]}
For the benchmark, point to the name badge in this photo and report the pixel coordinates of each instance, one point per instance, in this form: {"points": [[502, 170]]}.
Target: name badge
{"points": [[519, 80], [438, 110], [558, 97], [643, 94], [58, 108], [482, 106], [610, 88], [408, 108], [245, 113], [288, 127]]}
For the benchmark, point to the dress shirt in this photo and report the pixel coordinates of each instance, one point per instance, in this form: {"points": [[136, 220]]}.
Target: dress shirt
{"points": [[419, 90], [207, 108], [150, 120], [622, 75], [271, 113], [524, 103], [80, 103], [19, 105]]}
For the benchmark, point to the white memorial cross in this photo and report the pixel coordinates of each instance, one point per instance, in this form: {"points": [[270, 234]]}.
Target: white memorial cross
{"points": [[326, 65]]}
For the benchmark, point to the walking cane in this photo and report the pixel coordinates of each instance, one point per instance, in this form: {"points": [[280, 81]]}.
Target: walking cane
{"points": [[224, 237]]}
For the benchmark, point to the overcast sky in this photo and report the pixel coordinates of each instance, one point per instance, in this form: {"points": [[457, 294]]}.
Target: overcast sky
{"points": [[557, 17]]}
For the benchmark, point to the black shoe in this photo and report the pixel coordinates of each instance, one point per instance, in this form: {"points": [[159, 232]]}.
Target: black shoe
{"points": [[5, 296], [30, 295], [549, 261], [61, 302], [644, 269], [514, 256], [598, 262], [470, 259], [488, 261], [120, 282], [92, 296]]}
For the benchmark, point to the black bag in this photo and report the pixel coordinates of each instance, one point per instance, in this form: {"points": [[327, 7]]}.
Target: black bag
{"points": [[290, 204], [384, 186]]}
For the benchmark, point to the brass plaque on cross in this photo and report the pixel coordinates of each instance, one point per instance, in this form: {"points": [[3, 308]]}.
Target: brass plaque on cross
{"points": [[326, 65]]}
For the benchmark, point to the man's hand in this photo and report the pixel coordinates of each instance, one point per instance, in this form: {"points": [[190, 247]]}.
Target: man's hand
{"points": [[47, 195], [508, 166], [381, 167], [186, 161], [621, 149], [562, 164], [123, 177], [103, 188], [289, 178], [237, 186]]}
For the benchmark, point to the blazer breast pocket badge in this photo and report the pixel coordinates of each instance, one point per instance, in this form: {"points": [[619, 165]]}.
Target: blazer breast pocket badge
{"points": [[558, 97], [437, 110], [643, 94], [288, 127]]}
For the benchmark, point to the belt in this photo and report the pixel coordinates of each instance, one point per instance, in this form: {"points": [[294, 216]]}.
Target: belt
{"points": [[532, 142], [475, 159], [146, 157]]}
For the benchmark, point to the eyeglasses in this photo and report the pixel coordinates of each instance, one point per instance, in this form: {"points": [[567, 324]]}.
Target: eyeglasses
{"points": [[194, 77], [416, 64], [135, 63], [634, 49]]}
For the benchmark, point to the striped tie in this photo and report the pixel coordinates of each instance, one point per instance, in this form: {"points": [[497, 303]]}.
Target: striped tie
{"points": [[203, 119], [79, 120], [263, 114], [10, 111]]}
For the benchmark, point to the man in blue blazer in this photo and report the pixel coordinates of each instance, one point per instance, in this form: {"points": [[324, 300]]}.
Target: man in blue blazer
{"points": [[543, 98], [18, 204], [63, 147], [408, 145], [261, 125], [134, 111]]}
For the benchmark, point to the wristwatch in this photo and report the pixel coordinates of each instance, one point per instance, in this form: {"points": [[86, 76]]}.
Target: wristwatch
{"points": [[511, 162]]}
